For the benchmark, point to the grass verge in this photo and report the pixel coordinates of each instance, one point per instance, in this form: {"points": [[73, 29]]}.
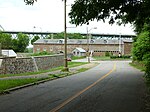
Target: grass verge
{"points": [[107, 58], [138, 66], [7, 84], [70, 64]]}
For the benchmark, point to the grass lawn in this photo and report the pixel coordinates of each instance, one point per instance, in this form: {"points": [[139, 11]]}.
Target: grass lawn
{"points": [[102, 58], [77, 57], [6, 84], [106, 58]]}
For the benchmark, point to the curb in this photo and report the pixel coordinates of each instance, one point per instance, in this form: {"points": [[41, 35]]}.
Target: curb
{"points": [[7, 91]]}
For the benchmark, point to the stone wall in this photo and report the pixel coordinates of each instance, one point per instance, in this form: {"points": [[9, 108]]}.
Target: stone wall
{"points": [[21, 65], [16, 65], [47, 62]]}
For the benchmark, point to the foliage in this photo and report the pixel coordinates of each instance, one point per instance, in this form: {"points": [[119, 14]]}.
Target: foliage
{"points": [[7, 84], [5, 40], [146, 59], [124, 11], [141, 49], [41, 53], [34, 39], [107, 54], [20, 43], [124, 57], [141, 46], [69, 35], [28, 50], [78, 57], [30, 2]]}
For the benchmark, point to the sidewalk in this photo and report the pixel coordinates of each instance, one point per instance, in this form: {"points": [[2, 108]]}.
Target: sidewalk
{"points": [[72, 70]]}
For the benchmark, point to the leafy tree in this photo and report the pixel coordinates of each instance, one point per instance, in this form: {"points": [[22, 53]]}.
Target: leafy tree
{"points": [[29, 2], [34, 39], [141, 49], [21, 42], [69, 35], [5, 40]]}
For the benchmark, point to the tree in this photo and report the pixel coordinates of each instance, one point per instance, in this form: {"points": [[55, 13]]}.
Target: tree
{"points": [[69, 35], [5, 40], [20, 43], [141, 49], [136, 12], [34, 39], [30, 2]]}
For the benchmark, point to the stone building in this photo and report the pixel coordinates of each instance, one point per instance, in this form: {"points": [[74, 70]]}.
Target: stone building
{"points": [[97, 47]]}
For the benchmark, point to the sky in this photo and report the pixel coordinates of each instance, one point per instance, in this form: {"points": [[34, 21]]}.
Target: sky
{"points": [[48, 16]]}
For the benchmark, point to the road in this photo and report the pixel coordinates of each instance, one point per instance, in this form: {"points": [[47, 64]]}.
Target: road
{"points": [[112, 86]]}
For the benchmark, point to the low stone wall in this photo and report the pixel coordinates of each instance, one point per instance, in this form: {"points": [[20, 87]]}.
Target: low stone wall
{"points": [[47, 62], [16, 65], [22, 65]]}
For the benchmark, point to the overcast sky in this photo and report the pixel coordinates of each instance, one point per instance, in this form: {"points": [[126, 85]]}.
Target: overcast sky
{"points": [[48, 15]]}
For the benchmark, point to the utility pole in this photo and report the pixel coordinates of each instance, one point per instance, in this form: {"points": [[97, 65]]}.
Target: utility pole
{"points": [[65, 39], [88, 43], [120, 45], [0, 50]]}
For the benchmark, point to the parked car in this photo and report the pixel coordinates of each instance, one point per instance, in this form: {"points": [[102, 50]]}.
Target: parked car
{"points": [[69, 59]]}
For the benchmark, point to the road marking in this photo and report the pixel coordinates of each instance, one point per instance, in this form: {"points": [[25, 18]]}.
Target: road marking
{"points": [[79, 93]]}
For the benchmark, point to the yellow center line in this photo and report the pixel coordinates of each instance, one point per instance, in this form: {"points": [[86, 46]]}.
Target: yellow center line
{"points": [[79, 93]]}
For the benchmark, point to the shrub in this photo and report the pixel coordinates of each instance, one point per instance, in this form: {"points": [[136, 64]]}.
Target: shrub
{"points": [[41, 53], [107, 54]]}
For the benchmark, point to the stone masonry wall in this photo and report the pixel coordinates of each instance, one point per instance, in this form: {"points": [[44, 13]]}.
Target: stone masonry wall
{"points": [[47, 62], [22, 65], [16, 65]]}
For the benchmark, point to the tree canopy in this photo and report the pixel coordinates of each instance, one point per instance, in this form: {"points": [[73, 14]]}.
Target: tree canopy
{"points": [[69, 35], [18, 44], [121, 11]]}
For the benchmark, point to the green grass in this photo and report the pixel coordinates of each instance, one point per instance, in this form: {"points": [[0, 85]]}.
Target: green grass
{"points": [[83, 69], [77, 57], [138, 66], [102, 58], [70, 64], [7, 84], [106, 58]]}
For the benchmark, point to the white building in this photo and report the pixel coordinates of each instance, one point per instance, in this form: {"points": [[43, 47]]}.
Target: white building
{"points": [[79, 52]]}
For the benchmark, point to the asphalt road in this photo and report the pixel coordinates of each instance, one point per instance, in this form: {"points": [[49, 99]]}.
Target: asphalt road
{"points": [[112, 86]]}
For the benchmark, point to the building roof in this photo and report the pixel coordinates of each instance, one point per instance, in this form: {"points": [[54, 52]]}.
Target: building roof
{"points": [[80, 49], [80, 41], [130, 41]]}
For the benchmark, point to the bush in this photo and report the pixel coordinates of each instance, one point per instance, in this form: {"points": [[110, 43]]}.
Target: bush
{"points": [[146, 60], [124, 57], [141, 50], [107, 54], [41, 53]]}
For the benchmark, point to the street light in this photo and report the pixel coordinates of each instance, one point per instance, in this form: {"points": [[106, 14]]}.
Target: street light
{"points": [[88, 43]]}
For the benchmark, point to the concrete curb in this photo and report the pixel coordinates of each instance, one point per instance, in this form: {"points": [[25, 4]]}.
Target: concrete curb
{"points": [[7, 91]]}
